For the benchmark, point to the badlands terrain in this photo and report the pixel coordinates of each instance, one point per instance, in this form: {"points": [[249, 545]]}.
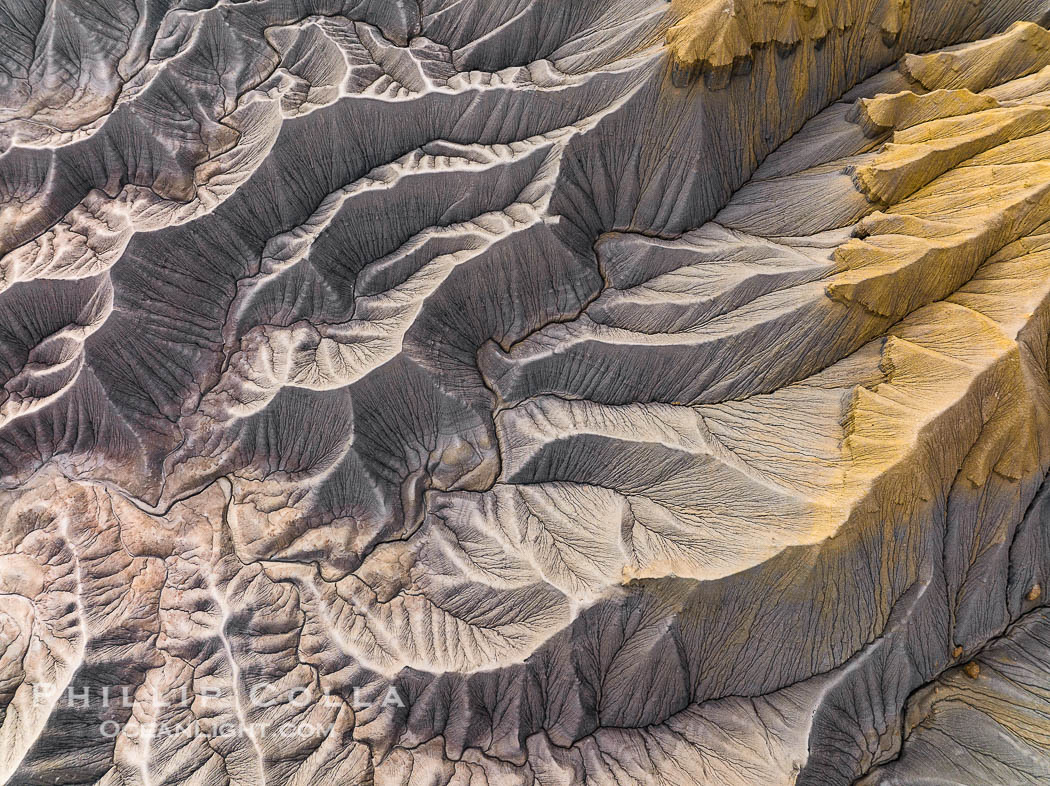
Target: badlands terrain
{"points": [[524, 392]]}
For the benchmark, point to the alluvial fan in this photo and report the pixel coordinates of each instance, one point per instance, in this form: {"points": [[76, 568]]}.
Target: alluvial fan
{"points": [[524, 392]]}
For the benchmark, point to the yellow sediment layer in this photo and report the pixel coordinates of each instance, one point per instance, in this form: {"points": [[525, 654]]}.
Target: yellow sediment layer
{"points": [[718, 32]]}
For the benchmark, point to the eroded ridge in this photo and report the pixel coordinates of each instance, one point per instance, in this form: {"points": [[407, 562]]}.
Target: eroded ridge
{"points": [[466, 392]]}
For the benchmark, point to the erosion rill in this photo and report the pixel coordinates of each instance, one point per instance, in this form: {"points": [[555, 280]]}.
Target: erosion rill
{"points": [[524, 392]]}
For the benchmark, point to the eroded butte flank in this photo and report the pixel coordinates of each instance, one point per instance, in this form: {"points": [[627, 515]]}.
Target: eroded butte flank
{"points": [[531, 393]]}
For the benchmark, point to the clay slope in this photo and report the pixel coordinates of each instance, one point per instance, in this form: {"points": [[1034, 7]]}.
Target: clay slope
{"points": [[534, 393]]}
